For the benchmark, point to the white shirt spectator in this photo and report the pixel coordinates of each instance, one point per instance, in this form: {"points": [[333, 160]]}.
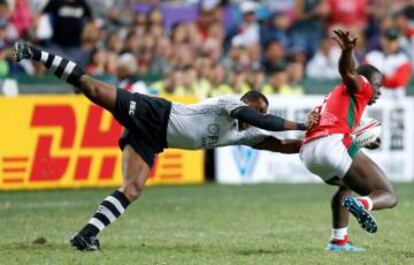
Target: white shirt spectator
{"points": [[248, 37], [127, 69], [396, 68], [249, 30], [324, 65]]}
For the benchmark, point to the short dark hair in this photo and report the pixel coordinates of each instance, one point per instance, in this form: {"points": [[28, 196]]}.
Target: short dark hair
{"points": [[367, 71], [253, 95]]}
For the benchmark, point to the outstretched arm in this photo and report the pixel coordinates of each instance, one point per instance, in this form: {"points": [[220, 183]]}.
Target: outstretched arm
{"points": [[267, 122], [281, 146], [347, 43], [100, 93]]}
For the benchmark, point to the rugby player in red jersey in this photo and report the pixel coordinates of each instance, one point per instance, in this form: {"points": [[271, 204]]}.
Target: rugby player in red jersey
{"points": [[329, 152]]}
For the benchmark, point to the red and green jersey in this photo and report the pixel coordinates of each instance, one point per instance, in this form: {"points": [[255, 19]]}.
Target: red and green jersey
{"points": [[341, 111]]}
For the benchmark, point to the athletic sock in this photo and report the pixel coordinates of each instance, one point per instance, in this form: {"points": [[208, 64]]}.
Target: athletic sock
{"points": [[108, 211], [61, 67], [339, 236], [366, 202]]}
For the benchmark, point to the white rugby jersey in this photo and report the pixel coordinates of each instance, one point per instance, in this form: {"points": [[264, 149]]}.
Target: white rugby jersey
{"points": [[208, 124]]}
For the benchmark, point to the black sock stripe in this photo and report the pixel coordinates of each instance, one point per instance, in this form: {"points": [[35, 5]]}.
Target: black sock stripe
{"points": [[37, 54], [121, 198], [61, 67], [49, 61], [101, 217], [74, 77], [111, 207]]}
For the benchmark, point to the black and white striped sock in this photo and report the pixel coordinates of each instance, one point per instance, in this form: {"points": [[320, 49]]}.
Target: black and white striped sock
{"points": [[108, 211], [61, 67]]}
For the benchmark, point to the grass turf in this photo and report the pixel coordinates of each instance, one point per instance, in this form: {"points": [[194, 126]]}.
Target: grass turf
{"points": [[209, 224]]}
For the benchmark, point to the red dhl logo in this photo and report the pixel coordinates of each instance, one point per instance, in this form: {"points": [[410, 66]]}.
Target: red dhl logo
{"points": [[46, 167]]}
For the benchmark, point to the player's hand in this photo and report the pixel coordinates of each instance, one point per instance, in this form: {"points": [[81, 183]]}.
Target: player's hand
{"points": [[374, 145], [312, 118], [345, 40]]}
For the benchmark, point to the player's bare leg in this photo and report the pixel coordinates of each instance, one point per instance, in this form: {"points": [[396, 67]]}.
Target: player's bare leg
{"points": [[339, 213], [98, 92], [135, 172], [340, 217], [367, 179]]}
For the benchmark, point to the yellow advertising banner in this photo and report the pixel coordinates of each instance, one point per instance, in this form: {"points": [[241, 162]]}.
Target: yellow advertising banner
{"points": [[67, 142]]}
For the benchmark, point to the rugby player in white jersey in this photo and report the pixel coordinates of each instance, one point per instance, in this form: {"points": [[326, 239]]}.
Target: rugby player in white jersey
{"points": [[152, 124]]}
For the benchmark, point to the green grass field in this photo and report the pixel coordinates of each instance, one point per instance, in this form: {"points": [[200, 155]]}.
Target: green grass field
{"points": [[209, 224]]}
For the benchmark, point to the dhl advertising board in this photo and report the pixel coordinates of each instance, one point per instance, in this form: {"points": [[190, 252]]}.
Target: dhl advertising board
{"points": [[67, 142]]}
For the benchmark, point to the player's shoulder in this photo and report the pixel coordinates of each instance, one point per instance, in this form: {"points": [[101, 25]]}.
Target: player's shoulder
{"points": [[228, 103], [227, 99]]}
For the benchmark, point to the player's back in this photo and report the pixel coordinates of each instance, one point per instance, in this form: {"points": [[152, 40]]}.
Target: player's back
{"points": [[208, 124], [341, 111]]}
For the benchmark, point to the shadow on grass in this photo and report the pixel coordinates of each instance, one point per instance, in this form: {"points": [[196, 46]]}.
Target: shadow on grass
{"points": [[28, 246], [183, 248], [255, 252]]}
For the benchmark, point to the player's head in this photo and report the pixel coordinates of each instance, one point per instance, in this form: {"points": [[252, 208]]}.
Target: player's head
{"points": [[375, 77], [256, 100]]}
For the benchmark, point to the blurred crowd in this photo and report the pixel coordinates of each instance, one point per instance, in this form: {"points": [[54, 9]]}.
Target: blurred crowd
{"points": [[211, 47]]}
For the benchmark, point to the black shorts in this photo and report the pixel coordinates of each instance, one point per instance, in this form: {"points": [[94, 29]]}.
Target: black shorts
{"points": [[145, 120]]}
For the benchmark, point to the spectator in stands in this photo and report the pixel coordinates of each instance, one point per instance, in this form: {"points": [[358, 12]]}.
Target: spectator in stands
{"points": [[255, 77], [308, 28], [393, 63], [203, 49], [274, 56], [218, 86], [209, 13], [405, 23], [351, 14], [193, 84], [163, 51], [113, 42], [21, 17], [277, 80], [212, 46], [184, 49], [324, 64], [131, 43], [90, 37], [172, 85], [294, 71], [69, 18], [249, 29], [276, 29], [237, 55], [9, 31], [97, 66], [284, 80], [140, 24], [155, 18], [127, 74], [238, 80]]}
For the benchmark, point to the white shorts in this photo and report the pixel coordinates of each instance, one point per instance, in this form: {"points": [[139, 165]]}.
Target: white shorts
{"points": [[328, 156]]}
